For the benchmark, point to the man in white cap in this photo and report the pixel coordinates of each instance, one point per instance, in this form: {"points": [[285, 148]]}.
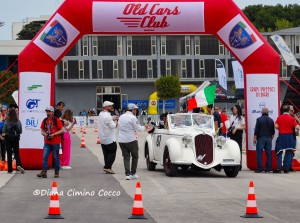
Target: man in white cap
{"points": [[51, 129], [107, 124], [128, 124]]}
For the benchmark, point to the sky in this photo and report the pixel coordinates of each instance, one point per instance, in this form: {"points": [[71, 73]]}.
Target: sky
{"points": [[18, 10]]}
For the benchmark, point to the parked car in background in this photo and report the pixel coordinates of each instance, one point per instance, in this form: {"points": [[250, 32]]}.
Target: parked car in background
{"points": [[190, 140]]}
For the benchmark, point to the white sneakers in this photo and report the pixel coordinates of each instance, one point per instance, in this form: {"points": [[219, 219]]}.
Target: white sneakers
{"points": [[66, 167], [132, 177]]}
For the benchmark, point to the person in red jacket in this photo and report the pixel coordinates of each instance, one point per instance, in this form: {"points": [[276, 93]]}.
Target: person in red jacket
{"points": [[51, 129], [286, 124]]}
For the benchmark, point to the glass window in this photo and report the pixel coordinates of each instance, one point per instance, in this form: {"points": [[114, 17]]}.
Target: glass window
{"points": [[197, 45], [163, 45], [85, 44]]}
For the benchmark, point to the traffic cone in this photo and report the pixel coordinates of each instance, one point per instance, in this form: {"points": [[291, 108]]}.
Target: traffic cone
{"points": [[137, 209], [98, 140], [84, 130], [81, 129], [251, 209], [73, 131], [82, 142], [54, 209], [96, 130]]}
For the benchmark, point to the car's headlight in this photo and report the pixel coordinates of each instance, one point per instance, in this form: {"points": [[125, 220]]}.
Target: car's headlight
{"points": [[221, 140], [187, 139]]}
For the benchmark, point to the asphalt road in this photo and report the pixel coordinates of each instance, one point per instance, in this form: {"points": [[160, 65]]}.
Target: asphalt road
{"points": [[192, 196]]}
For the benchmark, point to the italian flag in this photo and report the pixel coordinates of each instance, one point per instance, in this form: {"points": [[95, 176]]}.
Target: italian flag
{"points": [[206, 96]]}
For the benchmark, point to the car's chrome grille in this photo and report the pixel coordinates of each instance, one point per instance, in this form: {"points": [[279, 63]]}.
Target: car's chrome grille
{"points": [[204, 149]]}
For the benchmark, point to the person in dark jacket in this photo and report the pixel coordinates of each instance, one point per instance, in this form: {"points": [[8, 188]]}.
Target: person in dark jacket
{"points": [[11, 131], [263, 135]]}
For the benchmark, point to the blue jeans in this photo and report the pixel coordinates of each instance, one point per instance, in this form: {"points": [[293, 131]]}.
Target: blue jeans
{"points": [[287, 161], [264, 143], [47, 149]]}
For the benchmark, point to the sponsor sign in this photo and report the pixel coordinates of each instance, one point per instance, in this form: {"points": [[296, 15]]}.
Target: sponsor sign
{"points": [[240, 37], [81, 121], [221, 74], [56, 36], [33, 99], [261, 93], [152, 17], [170, 104], [238, 73], [285, 51]]}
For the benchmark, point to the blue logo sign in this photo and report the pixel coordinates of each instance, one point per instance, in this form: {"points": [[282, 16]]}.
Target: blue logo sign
{"points": [[56, 36], [262, 104], [32, 103], [31, 123], [239, 38]]}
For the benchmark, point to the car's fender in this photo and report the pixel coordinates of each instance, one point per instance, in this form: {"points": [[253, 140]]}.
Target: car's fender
{"points": [[150, 147], [232, 150], [175, 149]]}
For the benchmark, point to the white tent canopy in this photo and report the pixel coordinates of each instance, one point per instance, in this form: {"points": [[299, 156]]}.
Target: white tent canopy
{"points": [[190, 95]]}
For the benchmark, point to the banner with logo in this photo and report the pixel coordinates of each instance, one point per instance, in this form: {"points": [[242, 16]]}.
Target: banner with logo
{"points": [[285, 51], [56, 36], [34, 89], [15, 96], [240, 37], [238, 74], [81, 121], [221, 74], [151, 17], [92, 122], [261, 93]]}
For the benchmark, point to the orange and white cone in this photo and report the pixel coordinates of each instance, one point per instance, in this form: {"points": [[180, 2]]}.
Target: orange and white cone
{"points": [[98, 140], [81, 129], [96, 130], [84, 130], [251, 209], [54, 208], [137, 209], [73, 131], [82, 142]]}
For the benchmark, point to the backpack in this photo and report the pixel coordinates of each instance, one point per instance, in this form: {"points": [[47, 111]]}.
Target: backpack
{"points": [[13, 133]]}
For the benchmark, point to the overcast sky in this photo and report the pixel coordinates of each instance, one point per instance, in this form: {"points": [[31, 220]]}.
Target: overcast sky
{"points": [[17, 10]]}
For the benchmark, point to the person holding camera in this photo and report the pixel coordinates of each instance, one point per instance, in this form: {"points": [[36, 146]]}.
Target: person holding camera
{"points": [[69, 123], [51, 129]]}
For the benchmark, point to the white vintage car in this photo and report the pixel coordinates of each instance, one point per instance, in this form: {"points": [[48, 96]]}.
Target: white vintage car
{"points": [[190, 140]]}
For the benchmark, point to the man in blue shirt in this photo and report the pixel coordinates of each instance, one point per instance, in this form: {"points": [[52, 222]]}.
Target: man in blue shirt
{"points": [[263, 135]]}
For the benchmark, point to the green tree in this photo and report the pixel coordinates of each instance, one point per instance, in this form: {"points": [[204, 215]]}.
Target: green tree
{"points": [[167, 87], [8, 87], [270, 18], [283, 24], [30, 30]]}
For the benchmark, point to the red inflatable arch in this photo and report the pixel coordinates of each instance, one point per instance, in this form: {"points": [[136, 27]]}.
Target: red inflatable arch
{"points": [[76, 18]]}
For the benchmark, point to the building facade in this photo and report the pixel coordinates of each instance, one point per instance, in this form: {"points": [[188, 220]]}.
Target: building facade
{"points": [[123, 69]]}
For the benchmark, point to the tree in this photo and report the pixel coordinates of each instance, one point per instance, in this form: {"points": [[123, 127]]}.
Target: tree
{"points": [[30, 30], [8, 87], [167, 87], [283, 24], [271, 18]]}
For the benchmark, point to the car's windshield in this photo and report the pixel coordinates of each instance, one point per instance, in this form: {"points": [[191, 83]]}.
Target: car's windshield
{"points": [[190, 119]]}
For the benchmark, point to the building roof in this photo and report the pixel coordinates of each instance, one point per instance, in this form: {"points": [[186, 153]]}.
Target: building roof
{"points": [[290, 31], [12, 47]]}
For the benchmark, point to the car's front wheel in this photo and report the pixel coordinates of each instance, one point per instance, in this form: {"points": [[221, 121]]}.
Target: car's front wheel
{"points": [[231, 171], [150, 165], [169, 168]]}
